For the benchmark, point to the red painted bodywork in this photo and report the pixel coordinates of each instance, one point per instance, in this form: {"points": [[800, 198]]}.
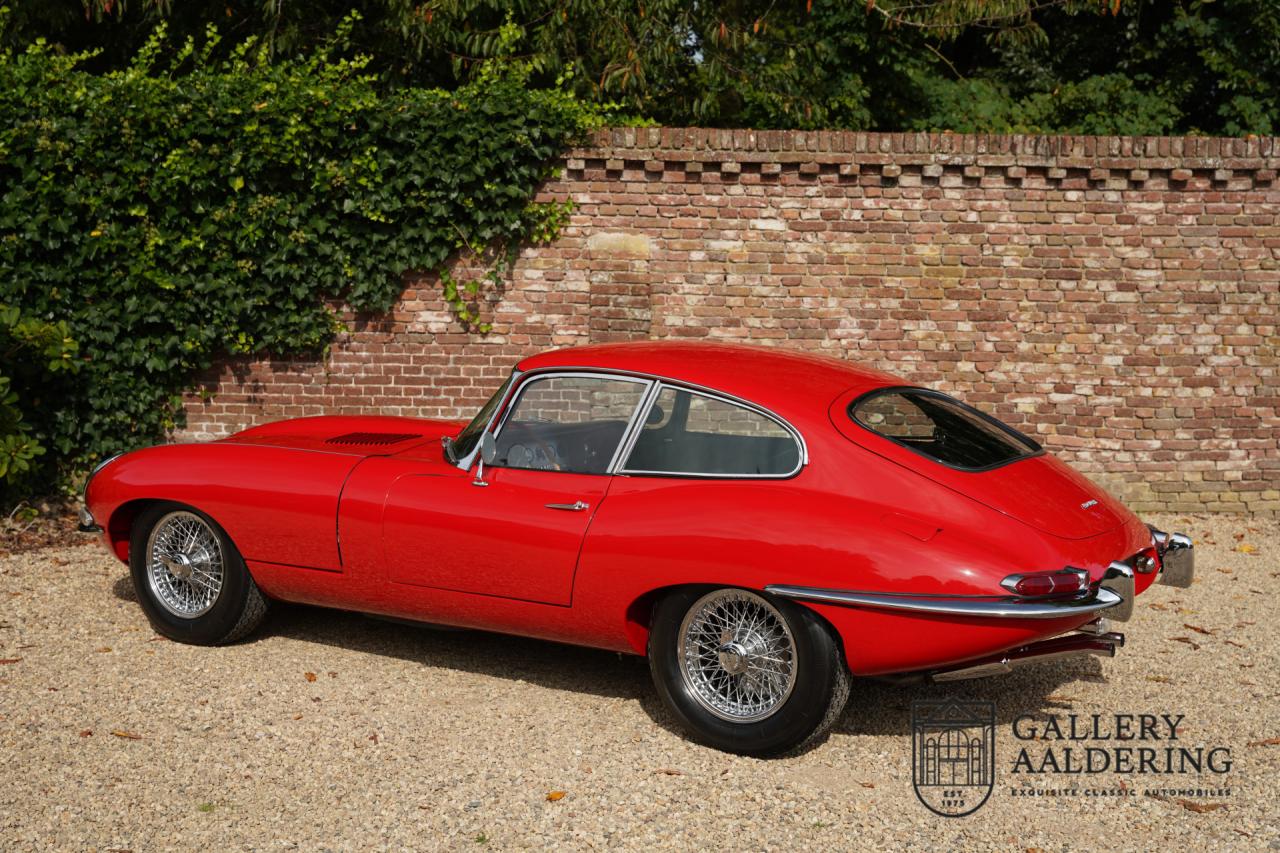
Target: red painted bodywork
{"points": [[398, 530]]}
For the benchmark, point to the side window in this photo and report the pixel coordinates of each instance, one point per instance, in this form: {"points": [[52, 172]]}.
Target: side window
{"points": [[567, 423], [690, 433]]}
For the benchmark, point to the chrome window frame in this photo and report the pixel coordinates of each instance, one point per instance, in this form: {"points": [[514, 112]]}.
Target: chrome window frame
{"points": [[523, 381], [631, 433], [802, 455], [467, 461]]}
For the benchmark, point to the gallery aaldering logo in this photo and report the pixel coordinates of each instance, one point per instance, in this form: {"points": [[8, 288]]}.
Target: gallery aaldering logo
{"points": [[953, 754]]}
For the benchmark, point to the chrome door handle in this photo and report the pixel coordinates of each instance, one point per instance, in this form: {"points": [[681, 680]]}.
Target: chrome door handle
{"points": [[576, 506]]}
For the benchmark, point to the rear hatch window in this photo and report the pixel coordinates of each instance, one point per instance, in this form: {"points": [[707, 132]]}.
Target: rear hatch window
{"points": [[941, 428], [968, 451]]}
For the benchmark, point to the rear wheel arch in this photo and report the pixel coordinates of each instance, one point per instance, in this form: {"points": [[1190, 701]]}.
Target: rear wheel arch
{"points": [[792, 719], [639, 613]]}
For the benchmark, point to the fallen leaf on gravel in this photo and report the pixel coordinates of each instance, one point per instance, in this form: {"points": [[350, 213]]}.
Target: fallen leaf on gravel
{"points": [[297, 716], [1225, 571], [1056, 698], [867, 784], [309, 676], [553, 796], [10, 660], [1157, 606], [1271, 741], [1185, 611], [670, 771], [156, 639], [102, 650], [374, 737], [1197, 629], [126, 735], [1200, 808], [1246, 548], [1234, 643], [1238, 624], [1159, 679], [333, 674], [1190, 642], [86, 733]]}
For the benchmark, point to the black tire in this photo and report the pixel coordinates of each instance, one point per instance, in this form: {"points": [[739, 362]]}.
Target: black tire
{"points": [[238, 606], [815, 700]]}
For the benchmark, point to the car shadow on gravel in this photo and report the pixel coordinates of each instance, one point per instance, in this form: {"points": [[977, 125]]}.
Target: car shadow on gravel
{"points": [[556, 666], [881, 707], [876, 707]]}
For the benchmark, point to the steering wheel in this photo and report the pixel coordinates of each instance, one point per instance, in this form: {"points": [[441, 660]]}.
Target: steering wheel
{"points": [[540, 450]]}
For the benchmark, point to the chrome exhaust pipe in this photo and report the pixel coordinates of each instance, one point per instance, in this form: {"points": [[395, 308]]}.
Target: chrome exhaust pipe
{"points": [[1056, 648]]}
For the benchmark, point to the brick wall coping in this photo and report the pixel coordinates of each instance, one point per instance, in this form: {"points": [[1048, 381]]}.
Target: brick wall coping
{"points": [[683, 144]]}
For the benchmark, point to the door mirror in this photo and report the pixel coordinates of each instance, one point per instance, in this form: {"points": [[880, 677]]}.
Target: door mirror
{"points": [[488, 452]]}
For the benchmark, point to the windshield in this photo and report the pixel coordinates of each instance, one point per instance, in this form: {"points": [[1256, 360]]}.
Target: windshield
{"points": [[941, 428], [470, 436]]}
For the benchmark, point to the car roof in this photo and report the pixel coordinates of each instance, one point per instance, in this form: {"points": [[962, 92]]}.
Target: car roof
{"points": [[783, 380]]}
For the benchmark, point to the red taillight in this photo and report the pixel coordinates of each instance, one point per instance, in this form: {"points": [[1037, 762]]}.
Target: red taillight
{"points": [[1062, 582]]}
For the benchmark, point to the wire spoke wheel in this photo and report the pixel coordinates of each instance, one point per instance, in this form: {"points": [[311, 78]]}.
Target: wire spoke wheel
{"points": [[184, 564], [737, 655]]}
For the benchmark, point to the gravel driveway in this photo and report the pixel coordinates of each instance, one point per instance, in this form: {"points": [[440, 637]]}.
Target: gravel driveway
{"points": [[329, 730]]}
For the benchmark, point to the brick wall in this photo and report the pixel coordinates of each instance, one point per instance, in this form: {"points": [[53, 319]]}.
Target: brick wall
{"points": [[1115, 297]]}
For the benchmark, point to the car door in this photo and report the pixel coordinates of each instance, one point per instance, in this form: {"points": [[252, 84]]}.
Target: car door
{"points": [[516, 528]]}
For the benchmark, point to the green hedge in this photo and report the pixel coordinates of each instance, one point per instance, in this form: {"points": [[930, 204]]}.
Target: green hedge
{"points": [[184, 209]]}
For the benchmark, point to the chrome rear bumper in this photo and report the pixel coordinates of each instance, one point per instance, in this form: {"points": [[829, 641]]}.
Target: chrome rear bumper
{"points": [[1177, 558], [1086, 642]]}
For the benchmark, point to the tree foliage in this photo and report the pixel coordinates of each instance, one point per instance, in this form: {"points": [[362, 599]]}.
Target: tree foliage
{"points": [[1104, 66], [33, 356], [185, 207]]}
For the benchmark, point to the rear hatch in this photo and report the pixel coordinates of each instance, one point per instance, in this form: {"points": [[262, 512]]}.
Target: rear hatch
{"points": [[1034, 488]]}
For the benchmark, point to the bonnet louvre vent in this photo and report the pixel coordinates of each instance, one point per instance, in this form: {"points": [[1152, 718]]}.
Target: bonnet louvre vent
{"points": [[372, 439]]}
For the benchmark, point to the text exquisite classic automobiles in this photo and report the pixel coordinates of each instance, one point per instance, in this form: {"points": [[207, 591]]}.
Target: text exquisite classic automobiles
{"points": [[761, 523]]}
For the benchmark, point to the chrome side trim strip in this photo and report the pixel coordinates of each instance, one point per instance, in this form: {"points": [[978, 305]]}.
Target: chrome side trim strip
{"points": [[994, 608]]}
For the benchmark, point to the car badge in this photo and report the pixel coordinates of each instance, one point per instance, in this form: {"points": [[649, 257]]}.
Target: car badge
{"points": [[1088, 504]]}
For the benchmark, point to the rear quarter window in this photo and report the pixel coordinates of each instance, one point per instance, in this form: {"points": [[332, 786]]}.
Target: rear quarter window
{"points": [[941, 428], [687, 433]]}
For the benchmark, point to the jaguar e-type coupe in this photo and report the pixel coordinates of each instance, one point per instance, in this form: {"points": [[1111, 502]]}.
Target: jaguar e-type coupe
{"points": [[762, 524]]}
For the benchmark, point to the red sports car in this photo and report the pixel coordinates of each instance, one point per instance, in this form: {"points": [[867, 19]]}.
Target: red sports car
{"points": [[762, 524]]}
